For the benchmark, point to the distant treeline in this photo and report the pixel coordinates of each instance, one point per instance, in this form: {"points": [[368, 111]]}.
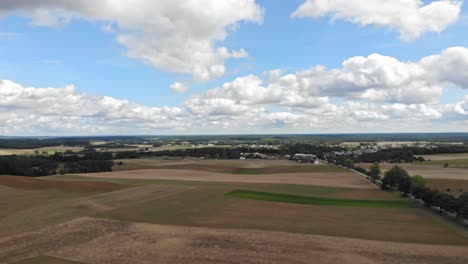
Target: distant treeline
{"points": [[59, 157], [87, 166], [27, 166], [445, 149], [227, 153], [44, 166], [40, 143], [215, 153], [318, 150], [408, 154], [388, 155]]}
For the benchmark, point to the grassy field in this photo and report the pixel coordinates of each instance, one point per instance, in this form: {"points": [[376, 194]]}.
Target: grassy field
{"points": [[296, 199]]}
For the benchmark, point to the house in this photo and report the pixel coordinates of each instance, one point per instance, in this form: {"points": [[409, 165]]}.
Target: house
{"points": [[299, 157]]}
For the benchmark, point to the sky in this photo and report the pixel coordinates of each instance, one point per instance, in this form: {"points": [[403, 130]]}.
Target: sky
{"points": [[121, 67]]}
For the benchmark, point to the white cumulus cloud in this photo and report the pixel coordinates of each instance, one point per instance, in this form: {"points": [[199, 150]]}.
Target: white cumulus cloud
{"points": [[412, 18], [181, 36], [64, 110], [179, 87]]}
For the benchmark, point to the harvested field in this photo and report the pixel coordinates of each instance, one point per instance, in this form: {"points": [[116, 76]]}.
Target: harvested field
{"points": [[453, 187], [90, 240], [439, 157], [7, 152], [322, 191], [254, 170], [49, 150], [427, 171], [137, 164], [457, 163], [345, 179], [28, 210], [30, 183], [46, 260], [210, 207]]}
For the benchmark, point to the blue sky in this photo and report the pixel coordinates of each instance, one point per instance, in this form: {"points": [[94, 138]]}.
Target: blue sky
{"points": [[82, 53]]}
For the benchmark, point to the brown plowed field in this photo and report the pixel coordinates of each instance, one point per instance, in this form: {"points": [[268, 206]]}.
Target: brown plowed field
{"points": [[29, 183], [91, 240], [333, 179]]}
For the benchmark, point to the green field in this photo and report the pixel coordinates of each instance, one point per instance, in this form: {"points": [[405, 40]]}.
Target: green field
{"points": [[296, 199]]}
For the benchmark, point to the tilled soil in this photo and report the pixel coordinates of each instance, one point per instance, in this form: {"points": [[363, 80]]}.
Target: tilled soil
{"points": [[346, 179], [31, 183], [91, 240]]}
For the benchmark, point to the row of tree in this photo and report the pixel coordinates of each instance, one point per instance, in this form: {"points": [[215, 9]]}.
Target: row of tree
{"points": [[44, 166], [212, 153], [87, 166], [398, 179], [389, 155], [27, 166]]}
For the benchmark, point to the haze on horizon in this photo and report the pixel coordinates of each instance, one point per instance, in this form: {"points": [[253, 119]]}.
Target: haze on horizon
{"points": [[79, 67]]}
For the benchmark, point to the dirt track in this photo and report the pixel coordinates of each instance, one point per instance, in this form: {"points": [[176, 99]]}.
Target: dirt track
{"points": [[347, 180], [106, 241]]}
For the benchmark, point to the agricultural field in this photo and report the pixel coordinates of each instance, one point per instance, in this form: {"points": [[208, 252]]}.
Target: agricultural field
{"points": [[47, 150], [199, 211], [452, 180], [427, 170], [441, 157], [242, 171], [453, 187]]}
